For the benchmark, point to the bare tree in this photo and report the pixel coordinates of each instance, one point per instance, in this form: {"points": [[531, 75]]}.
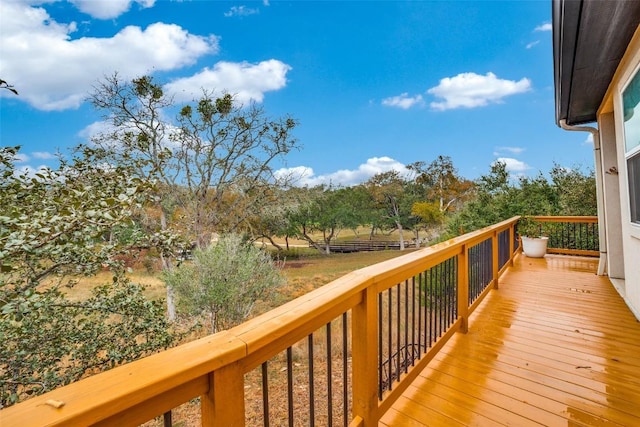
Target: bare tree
{"points": [[213, 161], [225, 152]]}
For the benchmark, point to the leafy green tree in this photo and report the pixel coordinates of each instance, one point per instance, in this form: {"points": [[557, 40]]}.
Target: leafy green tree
{"points": [[497, 197], [353, 205], [323, 210], [273, 220], [224, 281], [576, 190], [55, 226], [535, 196], [442, 182], [393, 197], [430, 217], [49, 340]]}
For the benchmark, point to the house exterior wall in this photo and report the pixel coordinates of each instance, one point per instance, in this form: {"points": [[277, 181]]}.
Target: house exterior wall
{"points": [[611, 190], [622, 233]]}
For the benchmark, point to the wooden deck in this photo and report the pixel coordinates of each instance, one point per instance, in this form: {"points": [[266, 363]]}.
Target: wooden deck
{"points": [[554, 346]]}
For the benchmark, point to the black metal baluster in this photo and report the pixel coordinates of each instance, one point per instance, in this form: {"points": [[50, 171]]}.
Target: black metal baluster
{"points": [[312, 403], [455, 285], [439, 300], [390, 341], [398, 334], [329, 377], [470, 273], [406, 325], [166, 419], [445, 285], [290, 385], [432, 323], [452, 290], [413, 320], [380, 346], [421, 298], [265, 394]]}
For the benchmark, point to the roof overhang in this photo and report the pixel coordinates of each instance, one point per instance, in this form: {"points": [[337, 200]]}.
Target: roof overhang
{"points": [[590, 38]]}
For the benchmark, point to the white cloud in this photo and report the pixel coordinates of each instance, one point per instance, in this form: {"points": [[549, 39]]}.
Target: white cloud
{"points": [[241, 11], [20, 158], [95, 129], [265, 2], [470, 90], [403, 101], [43, 155], [544, 27], [513, 165], [54, 72], [108, 9], [532, 44], [512, 150], [298, 175], [246, 81], [589, 140], [344, 177]]}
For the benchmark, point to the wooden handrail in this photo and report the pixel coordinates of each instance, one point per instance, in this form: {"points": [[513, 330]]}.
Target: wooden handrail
{"points": [[578, 219], [213, 367]]}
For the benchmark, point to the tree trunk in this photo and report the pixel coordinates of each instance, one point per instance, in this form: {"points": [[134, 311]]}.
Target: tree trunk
{"points": [[274, 243], [308, 238], [401, 236], [417, 232], [166, 266]]}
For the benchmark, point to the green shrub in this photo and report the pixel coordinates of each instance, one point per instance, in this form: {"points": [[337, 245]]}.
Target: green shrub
{"points": [[224, 281]]}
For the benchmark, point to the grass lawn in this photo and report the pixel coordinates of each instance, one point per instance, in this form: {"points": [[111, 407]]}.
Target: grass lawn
{"points": [[307, 274]]}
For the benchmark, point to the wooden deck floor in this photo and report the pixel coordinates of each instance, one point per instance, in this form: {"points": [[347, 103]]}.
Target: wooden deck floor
{"points": [[554, 346]]}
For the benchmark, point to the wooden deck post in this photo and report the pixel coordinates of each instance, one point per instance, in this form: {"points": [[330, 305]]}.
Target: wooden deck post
{"points": [[223, 405], [512, 244], [364, 336], [463, 289], [495, 267]]}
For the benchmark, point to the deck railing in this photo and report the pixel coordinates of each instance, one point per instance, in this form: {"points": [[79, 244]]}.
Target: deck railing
{"points": [[571, 235], [339, 355]]}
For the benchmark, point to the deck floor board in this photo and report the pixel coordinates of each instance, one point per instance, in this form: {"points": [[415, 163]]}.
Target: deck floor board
{"points": [[555, 345]]}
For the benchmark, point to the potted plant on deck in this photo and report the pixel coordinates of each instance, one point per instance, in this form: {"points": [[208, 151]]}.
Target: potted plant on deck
{"points": [[534, 243]]}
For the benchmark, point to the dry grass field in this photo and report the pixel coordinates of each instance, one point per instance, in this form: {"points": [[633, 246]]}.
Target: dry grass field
{"points": [[303, 275]]}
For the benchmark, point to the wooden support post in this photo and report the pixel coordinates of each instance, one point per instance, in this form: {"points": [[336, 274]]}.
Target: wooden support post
{"points": [[463, 289], [495, 246], [512, 235], [364, 339], [223, 405]]}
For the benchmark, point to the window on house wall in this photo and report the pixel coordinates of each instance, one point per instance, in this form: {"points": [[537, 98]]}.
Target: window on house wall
{"points": [[633, 166], [631, 106]]}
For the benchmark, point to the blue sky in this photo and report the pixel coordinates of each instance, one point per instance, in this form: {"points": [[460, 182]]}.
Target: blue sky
{"points": [[374, 85]]}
